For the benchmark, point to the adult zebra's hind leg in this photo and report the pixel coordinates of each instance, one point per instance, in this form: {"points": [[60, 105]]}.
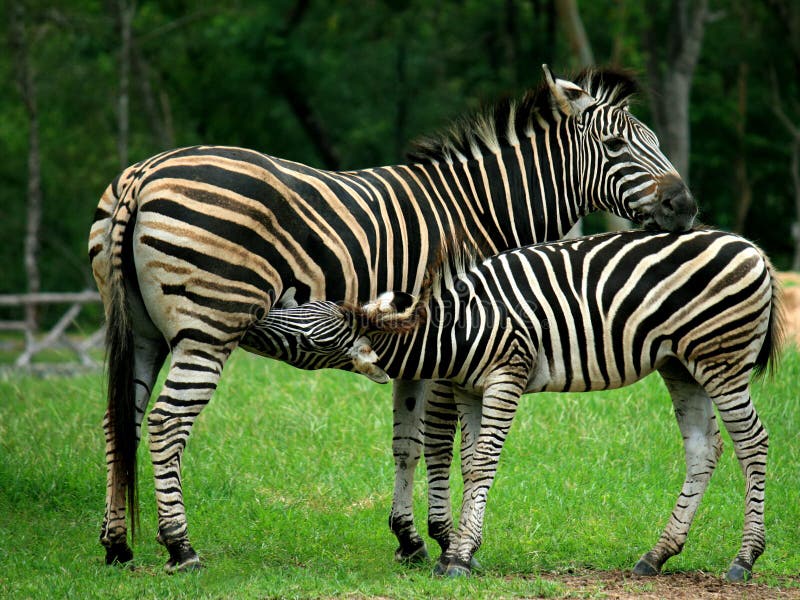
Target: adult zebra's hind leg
{"points": [[408, 407], [192, 379], [702, 446], [149, 354]]}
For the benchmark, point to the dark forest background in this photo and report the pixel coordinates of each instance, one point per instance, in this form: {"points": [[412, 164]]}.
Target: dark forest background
{"points": [[89, 87]]}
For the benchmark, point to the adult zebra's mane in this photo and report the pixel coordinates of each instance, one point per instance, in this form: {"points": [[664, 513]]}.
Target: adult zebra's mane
{"points": [[503, 124]]}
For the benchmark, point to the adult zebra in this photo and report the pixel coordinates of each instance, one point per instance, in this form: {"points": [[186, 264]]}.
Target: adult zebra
{"points": [[192, 248], [702, 308]]}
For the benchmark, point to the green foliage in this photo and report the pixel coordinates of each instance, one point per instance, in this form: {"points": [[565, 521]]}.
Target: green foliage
{"points": [[760, 50], [373, 74], [288, 480]]}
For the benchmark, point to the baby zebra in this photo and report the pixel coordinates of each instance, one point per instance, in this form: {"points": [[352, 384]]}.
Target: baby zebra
{"points": [[702, 308]]}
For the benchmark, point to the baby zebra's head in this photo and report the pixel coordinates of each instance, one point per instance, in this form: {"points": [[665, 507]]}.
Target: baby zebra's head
{"points": [[327, 335], [316, 335]]}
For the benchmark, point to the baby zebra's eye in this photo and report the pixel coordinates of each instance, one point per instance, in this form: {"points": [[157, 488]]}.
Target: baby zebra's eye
{"points": [[615, 144]]}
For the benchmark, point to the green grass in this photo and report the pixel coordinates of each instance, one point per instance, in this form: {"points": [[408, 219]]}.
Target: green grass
{"points": [[288, 479]]}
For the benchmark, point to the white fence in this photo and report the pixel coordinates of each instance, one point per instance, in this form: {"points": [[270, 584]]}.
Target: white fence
{"points": [[56, 338]]}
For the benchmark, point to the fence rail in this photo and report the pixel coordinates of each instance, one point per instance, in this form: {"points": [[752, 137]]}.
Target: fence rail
{"points": [[56, 338], [84, 297]]}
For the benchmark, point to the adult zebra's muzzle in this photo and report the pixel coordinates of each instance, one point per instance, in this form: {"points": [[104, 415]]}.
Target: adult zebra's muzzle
{"points": [[675, 208]]}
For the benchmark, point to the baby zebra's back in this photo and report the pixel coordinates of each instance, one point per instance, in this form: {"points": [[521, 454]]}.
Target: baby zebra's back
{"points": [[594, 313]]}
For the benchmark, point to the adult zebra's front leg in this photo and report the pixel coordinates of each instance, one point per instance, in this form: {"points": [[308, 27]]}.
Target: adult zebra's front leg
{"points": [[193, 376], [408, 407]]}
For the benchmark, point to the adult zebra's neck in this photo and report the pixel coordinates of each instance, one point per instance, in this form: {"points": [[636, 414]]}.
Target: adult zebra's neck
{"points": [[521, 194], [517, 194]]}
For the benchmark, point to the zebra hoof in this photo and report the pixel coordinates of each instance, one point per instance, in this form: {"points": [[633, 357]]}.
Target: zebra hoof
{"points": [[440, 568], [419, 556], [474, 565], [739, 572], [458, 569], [182, 559], [645, 569], [187, 566], [119, 554]]}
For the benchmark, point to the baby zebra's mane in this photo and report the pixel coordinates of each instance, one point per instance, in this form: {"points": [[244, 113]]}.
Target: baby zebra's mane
{"points": [[398, 312]]}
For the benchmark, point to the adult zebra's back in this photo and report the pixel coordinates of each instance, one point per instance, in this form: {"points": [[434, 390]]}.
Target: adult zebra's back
{"points": [[192, 248]]}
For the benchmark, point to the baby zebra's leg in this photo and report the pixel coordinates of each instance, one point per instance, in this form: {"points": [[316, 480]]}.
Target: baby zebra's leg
{"points": [[441, 422], [750, 441], [469, 413], [702, 446], [491, 418]]}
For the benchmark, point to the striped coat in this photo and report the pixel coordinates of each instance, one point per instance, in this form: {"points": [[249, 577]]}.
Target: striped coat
{"points": [[191, 250], [701, 308]]}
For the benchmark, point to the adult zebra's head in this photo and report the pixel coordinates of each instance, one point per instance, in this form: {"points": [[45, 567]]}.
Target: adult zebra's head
{"points": [[622, 168], [316, 335]]}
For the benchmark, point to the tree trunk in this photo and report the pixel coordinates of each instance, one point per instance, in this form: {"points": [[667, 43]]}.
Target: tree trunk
{"points": [[156, 107], [124, 20], [620, 26], [740, 165], [401, 112], [298, 101], [304, 112], [572, 24], [795, 170], [794, 165], [511, 38], [787, 12], [26, 82], [670, 67]]}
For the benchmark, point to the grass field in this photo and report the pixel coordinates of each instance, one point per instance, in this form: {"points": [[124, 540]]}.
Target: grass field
{"points": [[288, 479]]}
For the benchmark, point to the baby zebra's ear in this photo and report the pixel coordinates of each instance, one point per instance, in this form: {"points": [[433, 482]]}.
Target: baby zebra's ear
{"points": [[364, 358], [392, 311]]}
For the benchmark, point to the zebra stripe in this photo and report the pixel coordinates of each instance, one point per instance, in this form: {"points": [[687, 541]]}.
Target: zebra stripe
{"points": [[192, 249], [702, 308]]}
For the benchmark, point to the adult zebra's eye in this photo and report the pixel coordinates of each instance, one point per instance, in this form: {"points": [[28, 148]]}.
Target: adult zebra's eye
{"points": [[614, 144]]}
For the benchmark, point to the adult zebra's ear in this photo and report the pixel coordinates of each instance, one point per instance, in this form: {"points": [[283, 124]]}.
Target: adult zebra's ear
{"points": [[570, 98]]}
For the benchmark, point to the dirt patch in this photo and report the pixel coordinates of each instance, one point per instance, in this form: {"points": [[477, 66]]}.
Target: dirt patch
{"points": [[623, 586], [791, 305]]}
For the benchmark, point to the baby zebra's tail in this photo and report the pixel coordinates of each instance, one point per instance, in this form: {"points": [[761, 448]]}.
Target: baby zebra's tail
{"points": [[770, 352], [393, 312]]}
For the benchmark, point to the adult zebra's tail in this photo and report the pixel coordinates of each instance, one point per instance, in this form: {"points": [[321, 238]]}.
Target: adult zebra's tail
{"points": [[770, 352], [120, 358]]}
